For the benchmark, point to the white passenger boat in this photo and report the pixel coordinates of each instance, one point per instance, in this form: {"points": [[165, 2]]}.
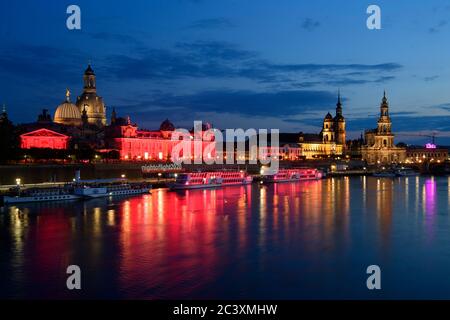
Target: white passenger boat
{"points": [[384, 174], [213, 179], [292, 175], [99, 190], [39, 195], [406, 172]]}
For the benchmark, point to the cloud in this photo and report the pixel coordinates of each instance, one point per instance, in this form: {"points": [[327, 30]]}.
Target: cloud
{"points": [[213, 23], [39, 62], [244, 102], [309, 24], [431, 78], [213, 59], [404, 123], [438, 27], [442, 106], [114, 37]]}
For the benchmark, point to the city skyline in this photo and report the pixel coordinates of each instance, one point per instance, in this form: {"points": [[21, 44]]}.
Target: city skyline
{"points": [[216, 65]]}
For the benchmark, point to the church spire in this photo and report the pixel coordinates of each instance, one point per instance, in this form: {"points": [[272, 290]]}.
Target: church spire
{"points": [[4, 115], [84, 116], [113, 116], [384, 107], [339, 104]]}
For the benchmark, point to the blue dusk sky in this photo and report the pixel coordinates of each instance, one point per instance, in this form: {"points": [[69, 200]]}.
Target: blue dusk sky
{"points": [[259, 64]]}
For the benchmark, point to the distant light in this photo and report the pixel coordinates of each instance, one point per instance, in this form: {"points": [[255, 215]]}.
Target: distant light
{"points": [[18, 181], [123, 176], [430, 146]]}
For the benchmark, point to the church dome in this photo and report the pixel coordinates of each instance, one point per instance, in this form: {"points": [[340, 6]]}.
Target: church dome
{"points": [[166, 125], [67, 113], [328, 116]]}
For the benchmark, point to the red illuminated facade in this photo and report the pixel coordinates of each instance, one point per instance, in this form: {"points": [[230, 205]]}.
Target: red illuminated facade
{"points": [[157, 145], [44, 139]]}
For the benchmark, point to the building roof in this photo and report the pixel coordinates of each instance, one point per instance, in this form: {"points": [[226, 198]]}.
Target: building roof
{"points": [[44, 133], [67, 111], [166, 125], [89, 70]]}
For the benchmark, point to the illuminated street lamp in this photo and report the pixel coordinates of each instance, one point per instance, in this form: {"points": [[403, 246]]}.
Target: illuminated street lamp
{"points": [[123, 176], [18, 181]]}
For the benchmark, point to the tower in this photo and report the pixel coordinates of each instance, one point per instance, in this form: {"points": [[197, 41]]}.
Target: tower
{"points": [[384, 137], [89, 80], [113, 116], [328, 129], [90, 101], [84, 117], [4, 114], [339, 123]]}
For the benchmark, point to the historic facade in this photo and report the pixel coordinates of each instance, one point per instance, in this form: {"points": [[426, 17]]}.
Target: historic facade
{"points": [[379, 145], [330, 142], [45, 139], [89, 108], [152, 145], [429, 153]]}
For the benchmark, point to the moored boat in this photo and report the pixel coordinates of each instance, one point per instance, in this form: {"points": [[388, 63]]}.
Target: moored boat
{"points": [[18, 195], [292, 175], [212, 179], [384, 174], [107, 190], [406, 172]]}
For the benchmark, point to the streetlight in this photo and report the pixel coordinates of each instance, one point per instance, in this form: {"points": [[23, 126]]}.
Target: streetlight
{"points": [[122, 176], [18, 181]]}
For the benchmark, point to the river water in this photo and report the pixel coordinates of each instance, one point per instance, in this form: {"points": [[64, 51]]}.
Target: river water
{"points": [[304, 240]]}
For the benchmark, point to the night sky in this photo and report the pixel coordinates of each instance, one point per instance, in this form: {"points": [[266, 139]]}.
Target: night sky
{"points": [[260, 64]]}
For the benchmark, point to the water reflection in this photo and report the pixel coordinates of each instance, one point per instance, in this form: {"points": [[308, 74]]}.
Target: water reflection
{"points": [[251, 241]]}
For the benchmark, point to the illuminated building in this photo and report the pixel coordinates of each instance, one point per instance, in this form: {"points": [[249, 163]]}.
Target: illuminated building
{"points": [[67, 113], [89, 102], [44, 138], [431, 153], [379, 142], [330, 142], [135, 144]]}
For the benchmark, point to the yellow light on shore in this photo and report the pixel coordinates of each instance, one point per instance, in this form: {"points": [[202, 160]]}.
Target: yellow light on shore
{"points": [[18, 181], [123, 176]]}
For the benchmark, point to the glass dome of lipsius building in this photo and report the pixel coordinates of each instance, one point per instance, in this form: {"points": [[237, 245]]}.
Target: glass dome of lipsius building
{"points": [[67, 113]]}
